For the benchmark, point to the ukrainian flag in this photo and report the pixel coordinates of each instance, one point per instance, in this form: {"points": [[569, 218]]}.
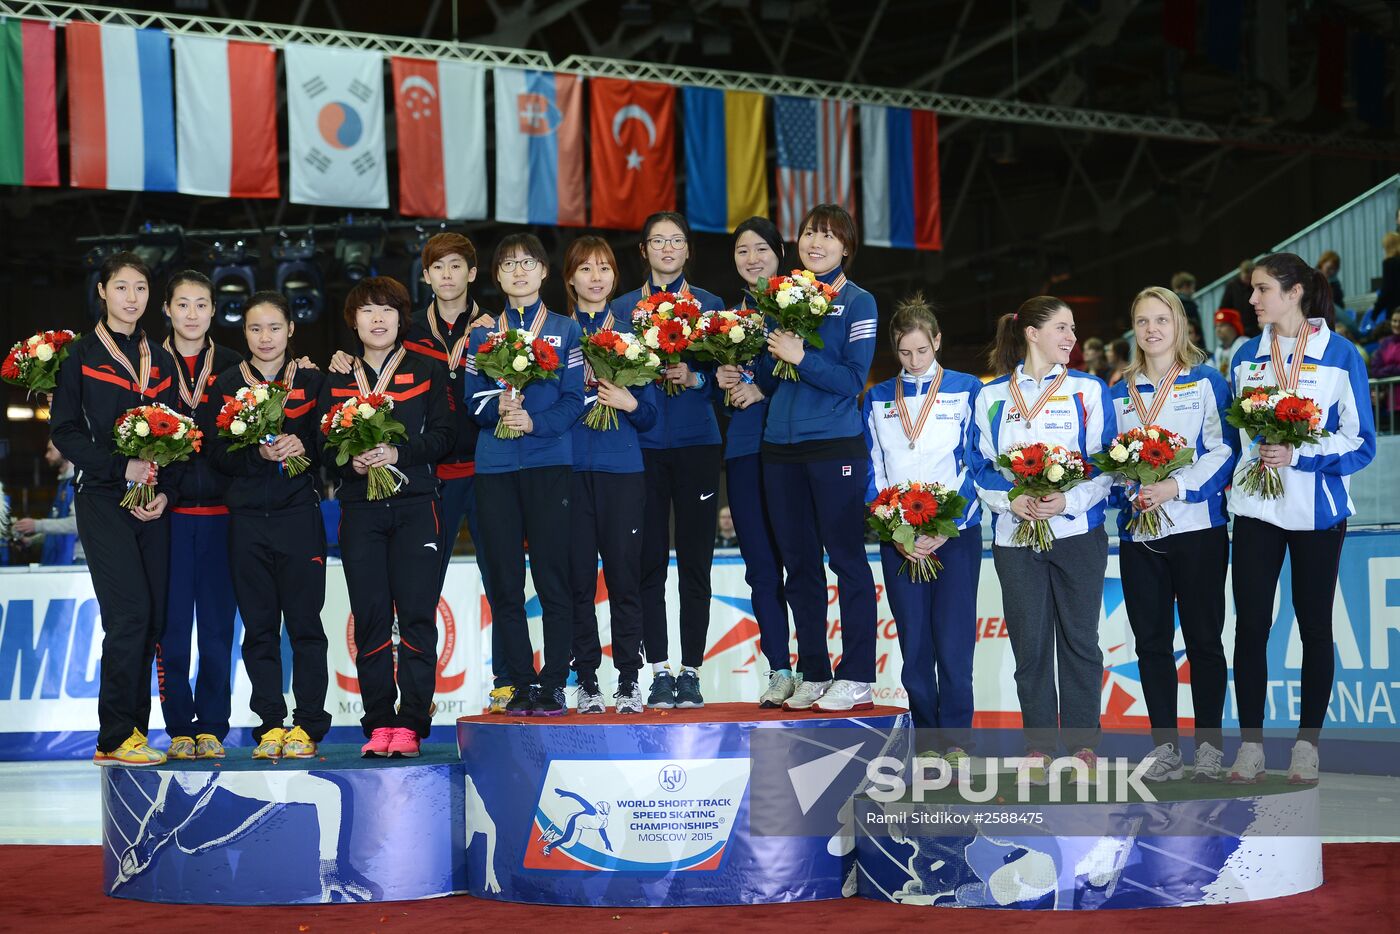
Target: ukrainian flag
{"points": [[725, 144]]}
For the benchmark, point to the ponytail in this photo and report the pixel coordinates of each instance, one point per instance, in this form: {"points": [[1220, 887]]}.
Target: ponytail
{"points": [[1009, 346], [1290, 270]]}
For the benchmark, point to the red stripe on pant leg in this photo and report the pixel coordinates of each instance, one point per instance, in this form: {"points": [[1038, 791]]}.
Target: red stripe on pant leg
{"points": [[381, 648], [437, 526], [252, 78]]}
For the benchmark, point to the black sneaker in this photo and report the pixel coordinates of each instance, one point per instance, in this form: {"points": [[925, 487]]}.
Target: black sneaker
{"points": [[663, 691], [522, 702], [550, 703], [688, 690]]}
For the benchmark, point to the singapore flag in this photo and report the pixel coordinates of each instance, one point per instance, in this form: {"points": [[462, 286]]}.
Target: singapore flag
{"points": [[440, 112]]}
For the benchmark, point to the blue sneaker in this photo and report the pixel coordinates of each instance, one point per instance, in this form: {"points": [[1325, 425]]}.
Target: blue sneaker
{"points": [[663, 691], [688, 690]]}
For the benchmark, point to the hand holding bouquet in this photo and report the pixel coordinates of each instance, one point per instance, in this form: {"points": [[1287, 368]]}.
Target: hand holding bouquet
{"points": [[729, 338], [158, 434], [1272, 415], [619, 358], [1039, 470], [796, 303], [514, 358], [665, 322], [33, 363], [1145, 456], [254, 416], [359, 424], [907, 510]]}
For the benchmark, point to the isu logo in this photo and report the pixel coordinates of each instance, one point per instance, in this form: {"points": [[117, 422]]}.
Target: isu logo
{"points": [[445, 683]]}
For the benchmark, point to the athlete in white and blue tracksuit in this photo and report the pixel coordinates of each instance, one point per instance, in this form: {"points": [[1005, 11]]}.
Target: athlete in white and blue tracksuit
{"points": [[1181, 573], [936, 620]]}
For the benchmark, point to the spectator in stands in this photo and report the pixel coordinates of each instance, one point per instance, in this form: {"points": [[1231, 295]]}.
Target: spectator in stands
{"points": [[1184, 285], [1236, 296], [1095, 358], [1118, 351], [1330, 264], [1388, 298], [1229, 337], [1193, 330], [1386, 360], [59, 532], [725, 536]]}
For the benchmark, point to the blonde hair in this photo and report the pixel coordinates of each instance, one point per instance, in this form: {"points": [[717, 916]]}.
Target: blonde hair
{"points": [[1391, 244], [1184, 352], [913, 314]]}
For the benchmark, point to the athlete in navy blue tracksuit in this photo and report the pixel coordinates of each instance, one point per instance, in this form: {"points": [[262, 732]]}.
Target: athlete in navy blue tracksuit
{"points": [[758, 250], [814, 472], [608, 502], [199, 559], [682, 456], [523, 484]]}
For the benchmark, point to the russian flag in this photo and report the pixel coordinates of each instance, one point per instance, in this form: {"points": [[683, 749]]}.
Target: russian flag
{"points": [[539, 148], [226, 117], [726, 142], [899, 160], [121, 115], [441, 117]]}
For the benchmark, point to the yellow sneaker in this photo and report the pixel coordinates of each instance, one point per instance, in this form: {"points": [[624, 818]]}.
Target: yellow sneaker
{"points": [[297, 745], [135, 753], [181, 747], [499, 698], [207, 746], [271, 745]]}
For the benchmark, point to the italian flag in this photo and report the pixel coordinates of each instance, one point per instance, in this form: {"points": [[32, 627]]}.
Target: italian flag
{"points": [[28, 104]]}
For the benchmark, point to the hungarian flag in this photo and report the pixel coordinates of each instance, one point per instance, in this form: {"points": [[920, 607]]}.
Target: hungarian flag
{"points": [[633, 129], [440, 108], [28, 104]]}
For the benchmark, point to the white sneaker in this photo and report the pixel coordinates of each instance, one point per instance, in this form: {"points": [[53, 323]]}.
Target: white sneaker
{"points": [[1166, 765], [589, 699], [1302, 766], [845, 695], [1209, 762], [629, 697], [806, 694], [1249, 764], [781, 684]]}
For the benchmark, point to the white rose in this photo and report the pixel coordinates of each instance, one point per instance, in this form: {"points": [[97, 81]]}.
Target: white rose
{"points": [[44, 352], [35, 340], [260, 394], [1054, 473], [237, 426], [520, 363], [183, 430], [665, 307], [633, 351], [784, 298], [818, 303], [736, 335], [1154, 434], [653, 360], [142, 429], [1119, 453], [1247, 405], [652, 337], [365, 409]]}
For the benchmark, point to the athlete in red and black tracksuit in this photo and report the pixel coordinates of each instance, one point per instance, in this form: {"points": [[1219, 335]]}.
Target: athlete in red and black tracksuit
{"points": [[390, 548], [277, 544], [129, 559], [199, 565]]}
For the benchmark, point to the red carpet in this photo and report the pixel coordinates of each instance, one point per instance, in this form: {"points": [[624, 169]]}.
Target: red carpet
{"points": [[56, 888]]}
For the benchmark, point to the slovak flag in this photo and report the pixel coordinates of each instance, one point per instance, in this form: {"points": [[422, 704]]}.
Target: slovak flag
{"points": [[121, 109], [633, 132], [440, 110], [899, 159], [539, 148], [226, 117], [335, 127]]}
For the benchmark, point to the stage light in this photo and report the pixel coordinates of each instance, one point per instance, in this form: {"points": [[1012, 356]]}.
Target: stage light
{"points": [[92, 262], [359, 243], [298, 277], [234, 281], [419, 291], [158, 245]]}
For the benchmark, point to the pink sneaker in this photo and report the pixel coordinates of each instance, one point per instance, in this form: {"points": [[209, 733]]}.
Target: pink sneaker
{"points": [[403, 742], [378, 744]]}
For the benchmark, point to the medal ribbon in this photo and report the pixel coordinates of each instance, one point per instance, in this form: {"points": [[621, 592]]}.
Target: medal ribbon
{"points": [[1159, 396], [187, 395], [138, 383], [457, 350], [912, 429], [1030, 412], [536, 326], [1289, 379], [390, 366]]}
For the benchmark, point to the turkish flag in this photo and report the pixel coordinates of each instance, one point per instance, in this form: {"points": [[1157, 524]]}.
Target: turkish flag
{"points": [[633, 134]]}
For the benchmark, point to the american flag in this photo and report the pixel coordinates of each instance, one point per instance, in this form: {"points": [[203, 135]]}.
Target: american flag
{"points": [[814, 157]]}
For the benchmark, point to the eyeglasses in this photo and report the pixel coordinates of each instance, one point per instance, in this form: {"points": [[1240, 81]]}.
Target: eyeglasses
{"points": [[529, 264], [660, 243]]}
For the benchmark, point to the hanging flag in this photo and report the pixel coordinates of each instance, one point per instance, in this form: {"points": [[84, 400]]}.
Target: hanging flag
{"points": [[335, 123], [1179, 24], [226, 117], [633, 135], [725, 145], [28, 104], [814, 157], [121, 111], [539, 148], [899, 177], [440, 113]]}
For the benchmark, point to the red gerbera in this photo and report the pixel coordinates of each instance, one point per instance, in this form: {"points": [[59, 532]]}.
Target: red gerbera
{"points": [[545, 356], [884, 498], [670, 336], [10, 369], [374, 400], [919, 507], [1031, 461], [162, 423], [1291, 410], [1155, 453]]}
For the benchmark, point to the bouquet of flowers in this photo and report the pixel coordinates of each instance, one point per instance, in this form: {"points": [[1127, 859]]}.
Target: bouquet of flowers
{"points": [[797, 303], [1272, 415], [729, 338], [359, 424], [33, 363], [1039, 470], [1143, 456], [665, 322], [254, 416], [909, 509], [514, 358], [619, 358], [158, 434]]}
